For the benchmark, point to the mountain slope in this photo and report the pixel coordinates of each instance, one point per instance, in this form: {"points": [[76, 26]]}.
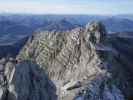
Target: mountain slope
{"points": [[62, 25], [82, 63], [114, 24], [12, 46], [28, 23], [11, 27]]}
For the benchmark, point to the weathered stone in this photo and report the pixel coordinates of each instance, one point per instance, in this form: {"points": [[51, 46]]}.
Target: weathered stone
{"points": [[71, 85], [3, 61], [3, 93], [77, 56], [29, 82], [8, 69]]}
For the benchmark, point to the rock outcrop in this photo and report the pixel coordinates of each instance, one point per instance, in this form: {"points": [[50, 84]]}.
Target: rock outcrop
{"points": [[25, 81], [6, 66], [75, 60], [29, 82]]}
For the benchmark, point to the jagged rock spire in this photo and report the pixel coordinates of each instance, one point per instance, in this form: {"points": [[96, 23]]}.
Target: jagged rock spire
{"points": [[95, 32]]}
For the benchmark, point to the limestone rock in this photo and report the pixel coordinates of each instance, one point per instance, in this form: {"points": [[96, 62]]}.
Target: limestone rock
{"points": [[76, 56], [3, 93], [8, 69], [95, 32]]}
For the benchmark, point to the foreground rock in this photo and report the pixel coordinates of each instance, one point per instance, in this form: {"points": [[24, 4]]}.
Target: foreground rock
{"points": [[6, 66], [29, 82], [25, 81]]}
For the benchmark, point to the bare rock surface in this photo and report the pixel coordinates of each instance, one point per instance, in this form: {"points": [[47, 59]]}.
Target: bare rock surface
{"points": [[24, 81], [74, 60], [29, 82]]}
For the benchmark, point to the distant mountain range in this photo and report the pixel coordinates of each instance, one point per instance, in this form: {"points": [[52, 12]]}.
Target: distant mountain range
{"points": [[127, 16], [14, 28], [61, 25], [9, 47], [26, 24], [115, 24]]}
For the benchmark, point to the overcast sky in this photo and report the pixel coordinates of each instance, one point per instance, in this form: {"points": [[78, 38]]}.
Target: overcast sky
{"points": [[67, 6]]}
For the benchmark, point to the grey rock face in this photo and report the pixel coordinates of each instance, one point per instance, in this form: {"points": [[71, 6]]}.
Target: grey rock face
{"points": [[95, 33], [74, 60], [8, 69], [24, 81], [3, 93], [3, 79], [29, 82]]}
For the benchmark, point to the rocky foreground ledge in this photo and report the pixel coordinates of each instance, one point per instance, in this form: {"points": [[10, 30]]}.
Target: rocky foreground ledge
{"points": [[76, 65]]}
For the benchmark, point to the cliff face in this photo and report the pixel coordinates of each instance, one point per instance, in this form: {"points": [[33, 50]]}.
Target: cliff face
{"points": [[67, 55], [80, 62]]}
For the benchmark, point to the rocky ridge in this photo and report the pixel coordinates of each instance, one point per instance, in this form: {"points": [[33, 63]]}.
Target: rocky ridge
{"points": [[80, 62]]}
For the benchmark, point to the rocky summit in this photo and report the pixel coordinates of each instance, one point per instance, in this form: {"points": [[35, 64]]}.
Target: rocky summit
{"points": [[82, 64]]}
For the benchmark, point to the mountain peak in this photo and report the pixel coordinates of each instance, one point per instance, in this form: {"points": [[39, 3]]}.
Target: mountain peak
{"points": [[71, 59]]}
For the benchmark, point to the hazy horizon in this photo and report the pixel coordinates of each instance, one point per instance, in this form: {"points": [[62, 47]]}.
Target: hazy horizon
{"points": [[85, 7], [59, 14]]}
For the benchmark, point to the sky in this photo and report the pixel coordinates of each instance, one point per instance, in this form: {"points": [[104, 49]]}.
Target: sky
{"points": [[101, 7]]}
